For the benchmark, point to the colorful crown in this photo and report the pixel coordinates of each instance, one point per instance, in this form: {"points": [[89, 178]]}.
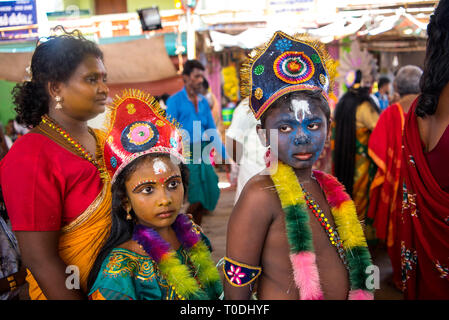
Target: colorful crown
{"points": [[136, 126], [285, 64]]}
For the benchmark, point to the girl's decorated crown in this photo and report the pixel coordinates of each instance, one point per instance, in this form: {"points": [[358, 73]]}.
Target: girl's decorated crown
{"points": [[285, 64], [136, 126]]}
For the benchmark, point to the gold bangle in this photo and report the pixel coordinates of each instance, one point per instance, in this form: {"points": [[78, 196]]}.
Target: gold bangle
{"points": [[12, 283]]}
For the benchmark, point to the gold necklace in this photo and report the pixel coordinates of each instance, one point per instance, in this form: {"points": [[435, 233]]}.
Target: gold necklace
{"points": [[75, 145]]}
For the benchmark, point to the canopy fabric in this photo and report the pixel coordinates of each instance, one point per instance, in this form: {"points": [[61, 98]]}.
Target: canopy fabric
{"points": [[139, 60], [365, 25]]}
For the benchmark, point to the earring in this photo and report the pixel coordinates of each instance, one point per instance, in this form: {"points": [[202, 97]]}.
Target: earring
{"points": [[58, 100], [128, 215], [267, 157]]}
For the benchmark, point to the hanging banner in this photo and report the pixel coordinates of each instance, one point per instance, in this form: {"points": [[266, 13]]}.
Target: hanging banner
{"points": [[18, 20]]}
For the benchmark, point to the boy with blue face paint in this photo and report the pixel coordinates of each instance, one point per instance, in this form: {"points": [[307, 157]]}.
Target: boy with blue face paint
{"points": [[293, 231]]}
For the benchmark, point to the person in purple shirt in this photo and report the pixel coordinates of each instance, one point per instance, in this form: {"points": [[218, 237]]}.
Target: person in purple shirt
{"points": [[191, 110]]}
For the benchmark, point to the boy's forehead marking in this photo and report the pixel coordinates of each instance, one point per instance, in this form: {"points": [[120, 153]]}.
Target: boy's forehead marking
{"points": [[300, 108]]}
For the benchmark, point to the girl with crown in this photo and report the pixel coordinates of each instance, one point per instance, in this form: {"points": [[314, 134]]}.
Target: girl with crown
{"points": [[294, 230], [153, 252]]}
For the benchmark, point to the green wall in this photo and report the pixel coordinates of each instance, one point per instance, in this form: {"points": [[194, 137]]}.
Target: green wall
{"points": [[6, 106], [133, 5]]}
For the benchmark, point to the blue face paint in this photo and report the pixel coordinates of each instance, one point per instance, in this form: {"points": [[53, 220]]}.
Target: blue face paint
{"points": [[302, 131]]}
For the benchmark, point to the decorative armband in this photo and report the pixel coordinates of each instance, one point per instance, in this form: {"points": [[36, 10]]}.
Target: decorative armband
{"points": [[239, 274]]}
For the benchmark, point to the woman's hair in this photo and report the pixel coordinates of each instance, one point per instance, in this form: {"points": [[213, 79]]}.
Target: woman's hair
{"points": [[407, 80], [122, 229], [345, 149], [313, 95], [436, 63], [54, 60]]}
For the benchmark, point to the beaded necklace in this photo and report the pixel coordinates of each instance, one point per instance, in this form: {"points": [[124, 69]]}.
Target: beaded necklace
{"points": [[300, 238], [332, 233], [75, 146]]}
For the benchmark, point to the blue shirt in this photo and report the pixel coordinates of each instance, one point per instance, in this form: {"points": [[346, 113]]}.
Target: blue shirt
{"points": [[383, 100], [183, 110]]}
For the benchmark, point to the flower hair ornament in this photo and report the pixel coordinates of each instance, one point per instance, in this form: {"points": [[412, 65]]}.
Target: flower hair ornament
{"points": [[283, 65], [357, 60], [136, 126]]}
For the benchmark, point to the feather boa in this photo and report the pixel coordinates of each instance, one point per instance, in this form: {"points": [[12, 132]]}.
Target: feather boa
{"points": [[299, 234], [177, 274]]}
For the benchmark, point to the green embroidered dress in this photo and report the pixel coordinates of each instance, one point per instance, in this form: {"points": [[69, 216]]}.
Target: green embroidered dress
{"points": [[126, 275]]}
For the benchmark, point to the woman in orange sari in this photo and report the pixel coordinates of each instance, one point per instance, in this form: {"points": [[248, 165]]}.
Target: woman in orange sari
{"points": [[425, 212], [356, 115], [385, 148], [57, 201]]}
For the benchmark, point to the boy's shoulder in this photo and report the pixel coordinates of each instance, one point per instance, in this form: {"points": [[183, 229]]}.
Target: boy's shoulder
{"points": [[260, 191], [260, 182]]}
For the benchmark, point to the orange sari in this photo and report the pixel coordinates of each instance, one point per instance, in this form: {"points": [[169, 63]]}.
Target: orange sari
{"points": [[82, 239]]}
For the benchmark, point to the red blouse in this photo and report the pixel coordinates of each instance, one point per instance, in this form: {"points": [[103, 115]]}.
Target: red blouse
{"points": [[45, 186], [438, 158]]}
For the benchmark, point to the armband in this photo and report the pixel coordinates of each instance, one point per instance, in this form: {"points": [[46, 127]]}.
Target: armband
{"points": [[239, 274]]}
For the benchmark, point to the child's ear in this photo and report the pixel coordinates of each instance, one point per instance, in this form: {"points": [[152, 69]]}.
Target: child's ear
{"points": [[126, 204], [262, 133]]}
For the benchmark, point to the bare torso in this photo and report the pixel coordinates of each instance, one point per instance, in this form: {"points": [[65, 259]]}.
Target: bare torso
{"points": [[276, 280]]}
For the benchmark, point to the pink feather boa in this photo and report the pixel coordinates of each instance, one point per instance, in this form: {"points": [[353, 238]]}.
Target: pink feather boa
{"points": [[306, 275]]}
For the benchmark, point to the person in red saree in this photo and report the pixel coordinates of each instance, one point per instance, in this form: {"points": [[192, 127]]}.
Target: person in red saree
{"points": [[425, 214], [385, 148], [52, 179]]}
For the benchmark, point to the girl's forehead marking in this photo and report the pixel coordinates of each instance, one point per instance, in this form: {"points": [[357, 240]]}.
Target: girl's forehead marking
{"points": [[159, 166]]}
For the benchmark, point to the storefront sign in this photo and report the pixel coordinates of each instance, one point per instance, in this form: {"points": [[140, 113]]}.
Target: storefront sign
{"points": [[18, 20]]}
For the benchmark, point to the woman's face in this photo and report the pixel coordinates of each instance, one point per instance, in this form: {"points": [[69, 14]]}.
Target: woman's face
{"points": [[155, 192], [302, 131], [85, 93]]}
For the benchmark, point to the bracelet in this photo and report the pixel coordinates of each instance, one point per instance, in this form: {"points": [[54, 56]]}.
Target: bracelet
{"points": [[12, 283], [239, 274]]}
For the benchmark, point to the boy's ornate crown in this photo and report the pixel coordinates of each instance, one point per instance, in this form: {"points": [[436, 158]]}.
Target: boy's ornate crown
{"points": [[285, 64]]}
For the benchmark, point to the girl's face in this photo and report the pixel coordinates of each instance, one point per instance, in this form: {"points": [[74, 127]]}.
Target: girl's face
{"points": [[302, 131], [155, 192], [85, 93]]}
